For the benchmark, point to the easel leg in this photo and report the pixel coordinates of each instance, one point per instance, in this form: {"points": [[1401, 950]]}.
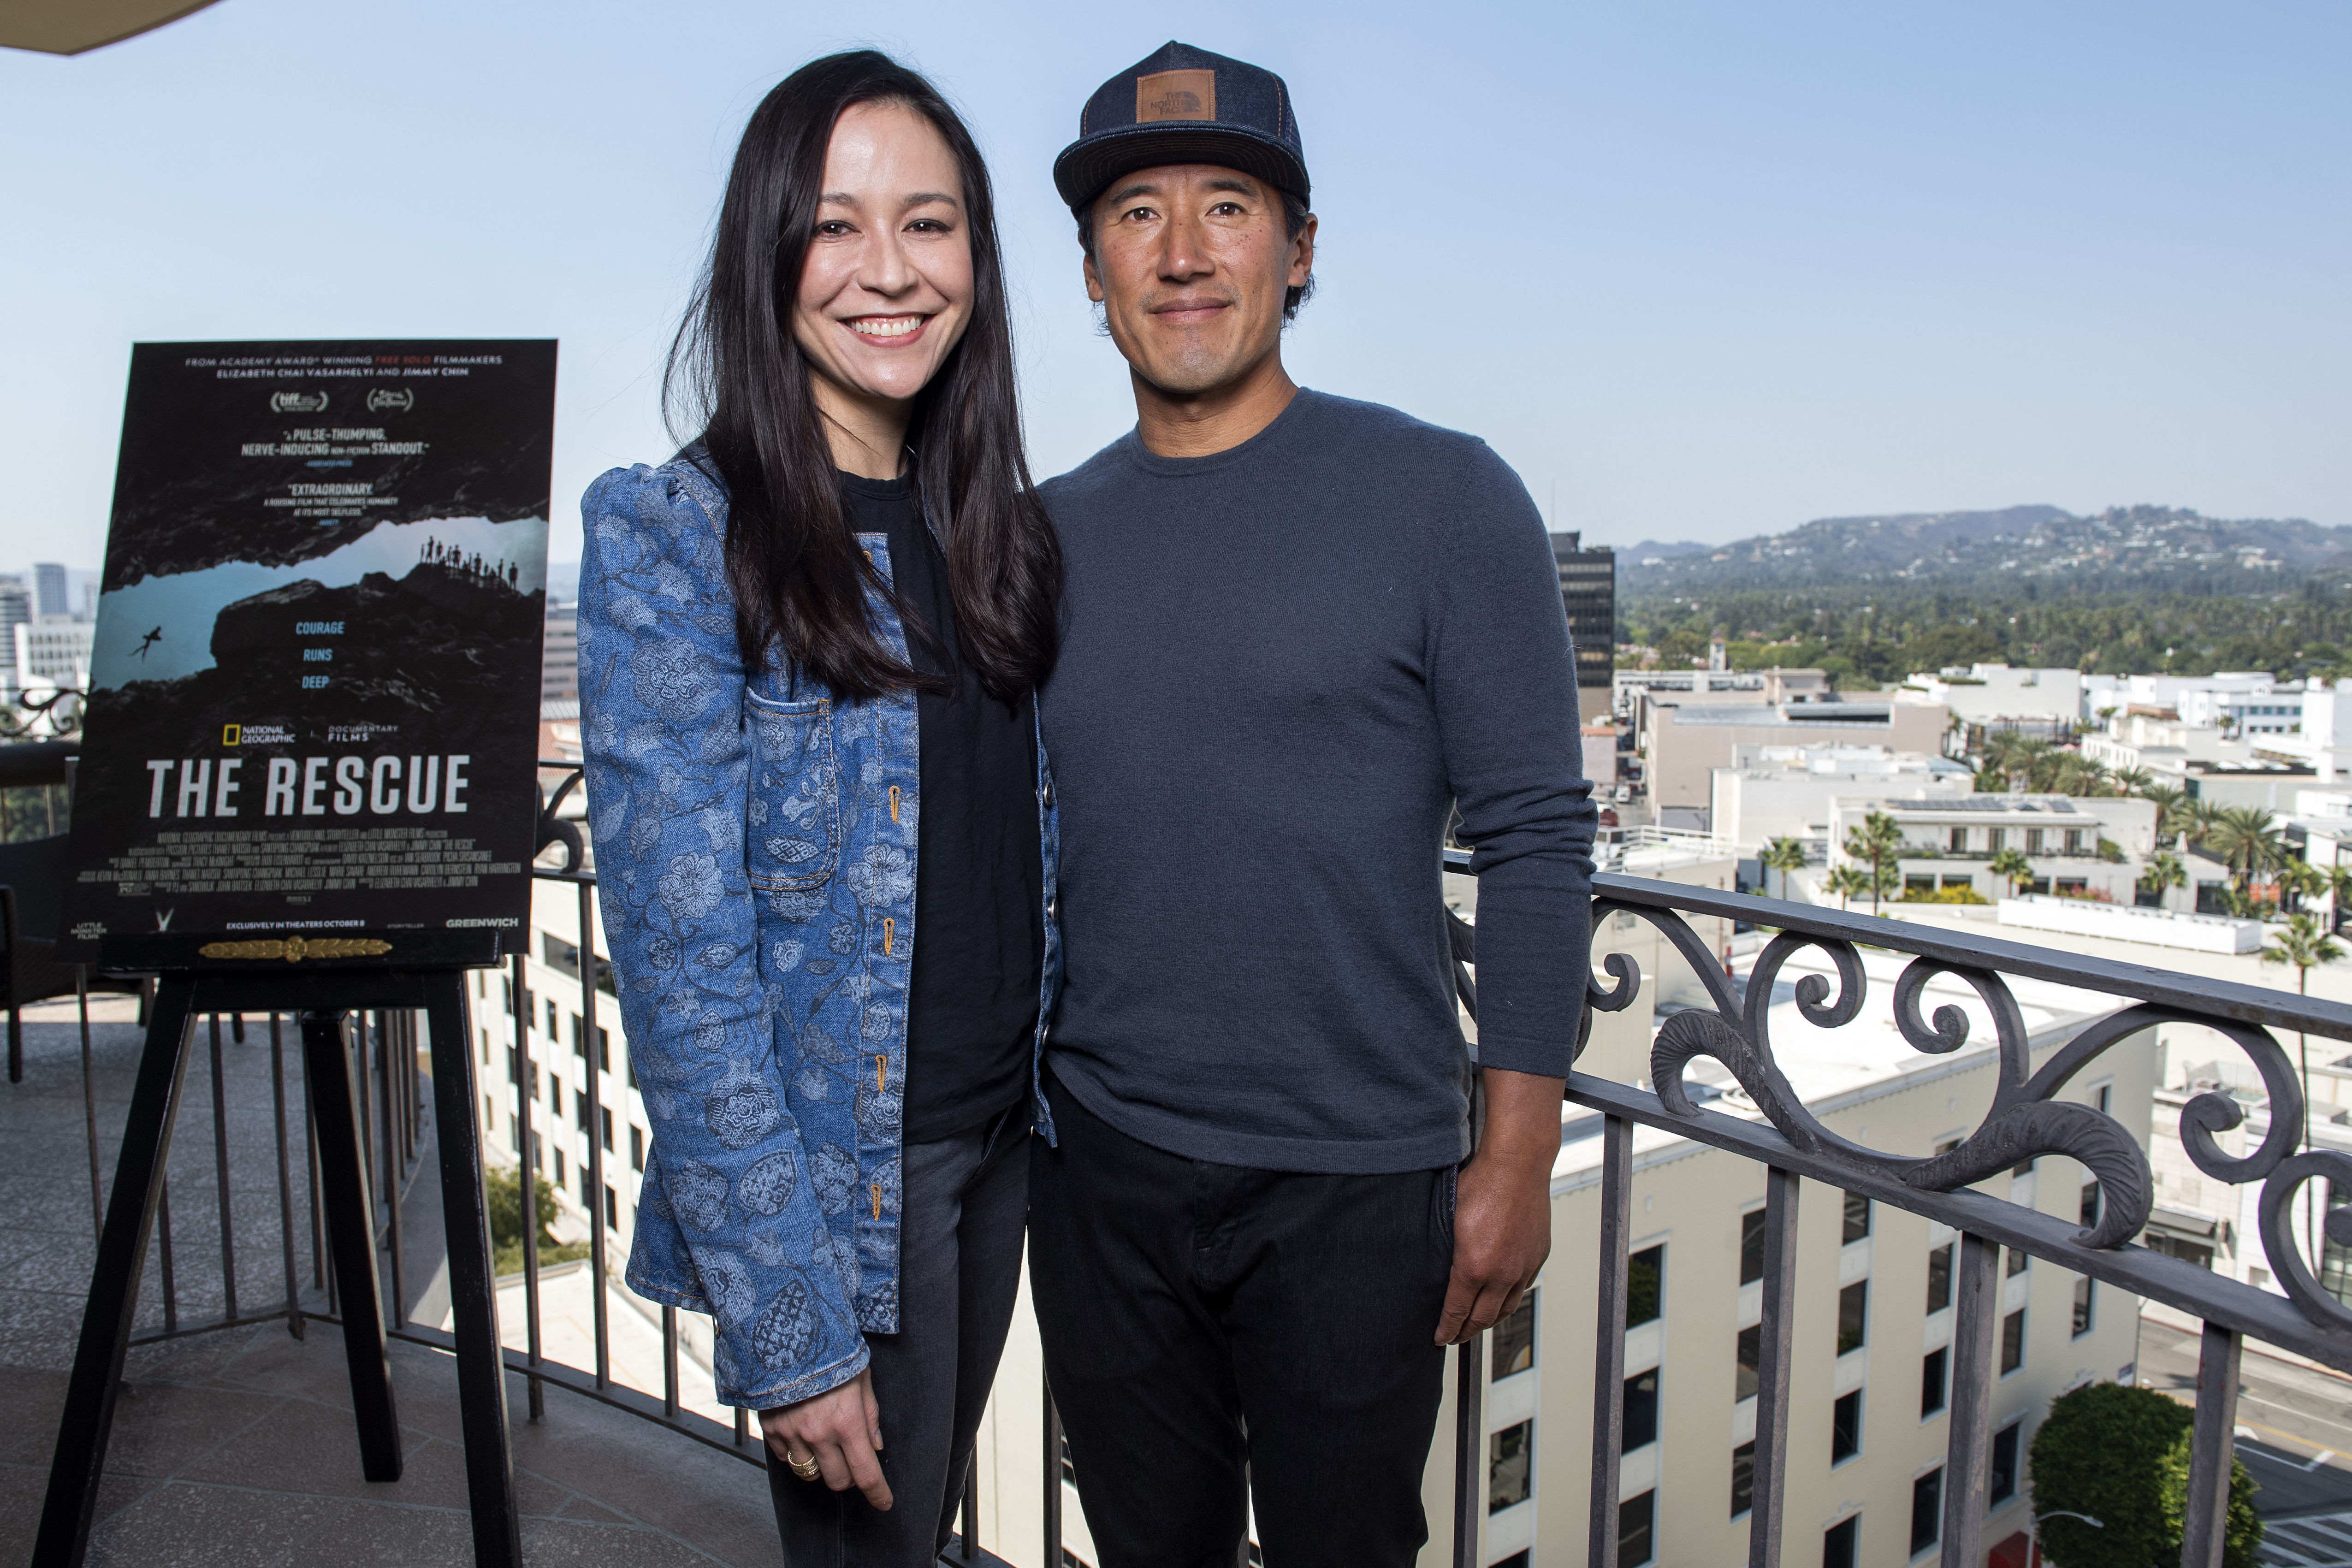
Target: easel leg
{"points": [[473, 1297], [114, 1285], [350, 1234]]}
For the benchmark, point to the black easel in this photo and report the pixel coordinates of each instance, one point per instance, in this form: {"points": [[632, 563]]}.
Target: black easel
{"points": [[322, 996]]}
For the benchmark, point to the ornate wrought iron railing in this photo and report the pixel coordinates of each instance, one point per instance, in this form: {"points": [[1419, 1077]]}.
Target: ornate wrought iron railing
{"points": [[2025, 1120]]}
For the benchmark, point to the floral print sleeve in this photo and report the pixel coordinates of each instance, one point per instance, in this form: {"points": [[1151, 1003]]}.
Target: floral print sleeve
{"points": [[732, 1214]]}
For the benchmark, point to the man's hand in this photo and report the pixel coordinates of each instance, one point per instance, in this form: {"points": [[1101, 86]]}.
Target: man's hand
{"points": [[1502, 1209], [843, 1427]]}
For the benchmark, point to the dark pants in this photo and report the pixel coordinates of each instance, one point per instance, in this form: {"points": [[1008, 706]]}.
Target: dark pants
{"points": [[1216, 1335], [959, 1274]]}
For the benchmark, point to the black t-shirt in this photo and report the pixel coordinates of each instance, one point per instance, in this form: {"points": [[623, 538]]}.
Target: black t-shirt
{"points": [[972, 1011]]}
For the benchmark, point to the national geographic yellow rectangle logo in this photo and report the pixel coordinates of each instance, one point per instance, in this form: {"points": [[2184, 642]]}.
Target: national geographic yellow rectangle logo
{"points": [[231, 734]]}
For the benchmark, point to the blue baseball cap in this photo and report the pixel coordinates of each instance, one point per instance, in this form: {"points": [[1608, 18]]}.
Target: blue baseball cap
{"points": [[1183, 104]]}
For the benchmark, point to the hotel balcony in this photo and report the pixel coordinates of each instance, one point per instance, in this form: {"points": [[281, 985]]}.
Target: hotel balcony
{"points": [[233, 1436]]}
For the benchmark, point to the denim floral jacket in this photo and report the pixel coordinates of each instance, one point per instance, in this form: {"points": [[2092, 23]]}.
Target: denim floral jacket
{"points": [[756, 845]]}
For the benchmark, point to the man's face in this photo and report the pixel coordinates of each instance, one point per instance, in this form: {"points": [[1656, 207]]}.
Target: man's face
{"points": [[1189, 266]]}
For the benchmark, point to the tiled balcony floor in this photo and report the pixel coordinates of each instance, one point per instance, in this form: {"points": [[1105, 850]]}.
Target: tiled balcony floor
{"points": [[238, 1446]]}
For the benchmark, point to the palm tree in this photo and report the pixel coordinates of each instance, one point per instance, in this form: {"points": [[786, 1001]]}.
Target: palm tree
{"points": [[1784, 854], [1879, 839], [2169, 799], [1846, 881], [2201, 819], [2248, 838], [2135, 781], [2301, 880], [2013, 867], [2164, 870], [2303, 942], [2339, 893]]}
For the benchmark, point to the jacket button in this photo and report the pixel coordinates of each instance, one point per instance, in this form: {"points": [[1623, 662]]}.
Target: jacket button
{"points": [[1053, 907]]}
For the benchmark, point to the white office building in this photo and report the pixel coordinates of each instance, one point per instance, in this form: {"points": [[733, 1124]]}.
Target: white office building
{"points": [[1787, 791]]}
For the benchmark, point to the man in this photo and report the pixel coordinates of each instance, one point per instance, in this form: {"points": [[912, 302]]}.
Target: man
{"points": [[1300, 631]]}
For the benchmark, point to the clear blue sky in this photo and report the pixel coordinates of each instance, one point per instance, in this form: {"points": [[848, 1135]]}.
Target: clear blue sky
{"points": [[1695, 271]]}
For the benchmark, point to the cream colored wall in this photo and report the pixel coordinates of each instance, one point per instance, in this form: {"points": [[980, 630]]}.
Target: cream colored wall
{"points": [[1692, 1199]]}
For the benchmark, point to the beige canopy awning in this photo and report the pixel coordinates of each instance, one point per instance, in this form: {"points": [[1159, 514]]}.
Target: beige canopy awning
{"points": [[73, 27]]}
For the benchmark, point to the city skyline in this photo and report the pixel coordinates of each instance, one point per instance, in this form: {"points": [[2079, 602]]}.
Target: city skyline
{"points": [[1699, 274]]}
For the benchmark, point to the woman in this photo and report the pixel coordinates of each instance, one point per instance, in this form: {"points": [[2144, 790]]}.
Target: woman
{"points": [[810, 645]]}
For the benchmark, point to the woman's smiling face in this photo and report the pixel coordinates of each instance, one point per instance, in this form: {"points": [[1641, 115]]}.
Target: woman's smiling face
{"points": [[886, 290]]}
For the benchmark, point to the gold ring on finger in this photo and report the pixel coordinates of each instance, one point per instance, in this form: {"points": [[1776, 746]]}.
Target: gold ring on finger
{"points": [[806, 1468]]}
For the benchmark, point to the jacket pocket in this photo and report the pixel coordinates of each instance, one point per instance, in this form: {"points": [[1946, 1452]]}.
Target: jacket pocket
{"points": [[792, 834]]}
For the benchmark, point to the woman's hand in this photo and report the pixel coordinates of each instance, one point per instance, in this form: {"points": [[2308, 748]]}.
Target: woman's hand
{"points": [[843, 1427]]}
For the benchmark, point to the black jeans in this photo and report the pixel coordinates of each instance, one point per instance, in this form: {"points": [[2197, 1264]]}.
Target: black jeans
{"points": [[1216, 1335], [958, 1274]]}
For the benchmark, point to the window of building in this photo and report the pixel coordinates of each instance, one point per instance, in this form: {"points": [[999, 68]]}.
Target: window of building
{"points": [[1639, 1412], [1750, 1376], [1857, 1219], [1939, 1276], [1645, 1285], [1996, 839], [1751, 1245], [1932, 1381], [1069, 1470], [2105, 1098], [1637, 1530], [1959, 841], [636, 1148], [2090, 1204], [1845, 1427], [1514, 1339], [553, 1031], [2017, 1264], [514, 1066], [490, 1116], [2073, 841], [1515, 1559], [486, 1047], [2023, 1167], [560, 1177], [578, 1037], [605, 1053], [1511, 1454], [1927, 1510], [579, 1108], [1841, 1541], [508, 984], [2034, 840], [1854, 1316], [2082, 1286], [612, 1208], [2012, 1342], [2000, 1478], [1743, 1479], [606, 1113]]}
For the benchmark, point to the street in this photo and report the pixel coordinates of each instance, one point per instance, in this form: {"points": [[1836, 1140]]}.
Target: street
{"points": [[2294, 1437]]}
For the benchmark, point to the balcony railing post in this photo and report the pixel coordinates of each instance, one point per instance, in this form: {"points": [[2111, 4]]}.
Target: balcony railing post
{"points": [[1769, 1471], [220, 1175], [1608, 1354], [1968, 1456], [598, 1118], [395, 1165], [2212, 1449], [1052, 1518], [285, 1175], [527, 1175], [1469, 1445]]}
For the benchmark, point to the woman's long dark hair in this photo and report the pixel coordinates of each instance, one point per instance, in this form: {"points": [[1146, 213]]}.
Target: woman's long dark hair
{"points": [[799, 577]]}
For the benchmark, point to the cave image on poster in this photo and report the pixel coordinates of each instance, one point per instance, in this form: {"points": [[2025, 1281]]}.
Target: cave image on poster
{"points": [[314, 695]]}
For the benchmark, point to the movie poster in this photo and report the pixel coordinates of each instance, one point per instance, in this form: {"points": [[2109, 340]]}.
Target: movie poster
{"points": [[314, 697]]}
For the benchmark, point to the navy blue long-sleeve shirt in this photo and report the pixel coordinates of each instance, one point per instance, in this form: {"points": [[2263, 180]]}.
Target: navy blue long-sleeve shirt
{"points": [[1281, 665]]}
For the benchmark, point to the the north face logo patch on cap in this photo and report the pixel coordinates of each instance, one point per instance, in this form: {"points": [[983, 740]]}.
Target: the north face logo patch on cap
{"points": [[1176, 95]]}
